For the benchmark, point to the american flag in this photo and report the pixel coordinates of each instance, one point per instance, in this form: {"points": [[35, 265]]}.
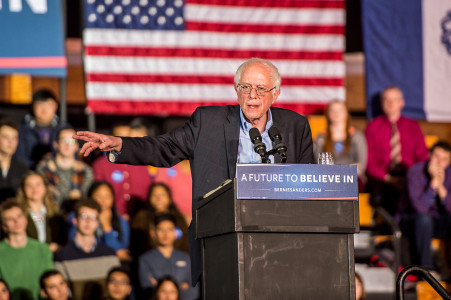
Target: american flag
{"points": [[167, 57]]}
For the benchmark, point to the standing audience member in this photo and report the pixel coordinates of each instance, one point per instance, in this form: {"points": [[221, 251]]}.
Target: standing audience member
{"points": [[165, 260], [45, 223], [114, 230], [167, 289], [84, 261], [12, 167], [53, 286], [428, 213], [22, 259], [38, 130], [178, 179], [159, 202], [395, 143], [345, 142], [69, 177], [5, 292], [130, 183], [118, 284]]}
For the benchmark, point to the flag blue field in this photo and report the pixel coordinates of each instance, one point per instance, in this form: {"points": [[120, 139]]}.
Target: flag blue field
{"points": [[407, 43], [32, 38]]}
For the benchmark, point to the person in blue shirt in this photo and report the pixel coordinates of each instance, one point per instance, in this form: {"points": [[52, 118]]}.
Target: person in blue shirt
{"points": [[114, 230], [165, 260]]}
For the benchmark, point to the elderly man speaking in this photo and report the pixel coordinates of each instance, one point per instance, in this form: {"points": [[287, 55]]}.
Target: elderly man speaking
{"points": [[216, 138]]}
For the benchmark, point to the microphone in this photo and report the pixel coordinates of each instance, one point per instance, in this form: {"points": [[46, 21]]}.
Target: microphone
{"points": [[259, 146], [280, 147]]}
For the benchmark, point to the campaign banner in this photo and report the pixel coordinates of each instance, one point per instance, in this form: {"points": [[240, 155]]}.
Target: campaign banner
{"points": [[297, 182], [32, 38]]}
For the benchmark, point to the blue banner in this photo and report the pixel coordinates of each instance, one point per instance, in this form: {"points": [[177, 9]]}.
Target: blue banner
{"points": [[32, 38], [297, 182]]}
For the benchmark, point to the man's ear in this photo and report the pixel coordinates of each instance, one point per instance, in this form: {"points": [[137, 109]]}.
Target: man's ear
{"points": [[43, 294]]}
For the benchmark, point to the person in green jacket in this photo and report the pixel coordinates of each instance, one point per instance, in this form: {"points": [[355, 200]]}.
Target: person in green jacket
{"points": [[23, 259]]}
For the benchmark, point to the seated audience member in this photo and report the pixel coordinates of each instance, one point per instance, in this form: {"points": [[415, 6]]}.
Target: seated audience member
{"points": [[395, 143], [69, 177], [428, 213], [22, 259], [130, 183], [53, 286], [45, 223], [114, 230], [166, 289], [5, 292], [84, 261], [345, 142], [38, 130], [178, 179], [159, 202], [118, 284], [165, 260], [359, 288], [12, 167]]}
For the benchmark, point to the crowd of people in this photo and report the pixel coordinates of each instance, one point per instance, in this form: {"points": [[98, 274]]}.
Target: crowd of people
{"points": [[117, 231], [77, 230]]}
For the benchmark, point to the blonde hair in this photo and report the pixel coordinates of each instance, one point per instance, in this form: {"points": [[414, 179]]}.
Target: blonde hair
{"points": [[48, 201]]}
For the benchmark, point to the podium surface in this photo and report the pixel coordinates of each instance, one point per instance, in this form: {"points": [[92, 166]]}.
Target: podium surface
{"points": [[285, 246]]}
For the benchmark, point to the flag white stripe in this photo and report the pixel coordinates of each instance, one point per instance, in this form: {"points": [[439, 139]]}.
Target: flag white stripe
{"points": [[254, 15], [213, 40], [206, 66], [194, 92]]}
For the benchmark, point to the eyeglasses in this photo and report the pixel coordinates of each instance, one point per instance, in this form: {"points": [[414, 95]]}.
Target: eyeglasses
{"points": [[68, 141], [85, 216], [120, 282], [247, 89]]}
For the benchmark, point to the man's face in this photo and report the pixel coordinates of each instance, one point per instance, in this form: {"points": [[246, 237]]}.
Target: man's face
{"points": [[14, 221], [392, 102], [44, 111], [9, 139], [118, 286], [66, 145], [440, 158], [165, 233], [55, 288], [87, 221], [254, 107]]}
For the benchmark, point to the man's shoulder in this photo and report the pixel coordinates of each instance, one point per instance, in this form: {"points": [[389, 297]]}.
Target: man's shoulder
{"points": [[149, 255], [180, 255], [217, 110], [417, 168]]}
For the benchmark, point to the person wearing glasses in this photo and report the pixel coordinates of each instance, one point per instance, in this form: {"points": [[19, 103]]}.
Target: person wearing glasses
{"points": [[118, 284], [216, 138], [84, 261], [69, 177]]}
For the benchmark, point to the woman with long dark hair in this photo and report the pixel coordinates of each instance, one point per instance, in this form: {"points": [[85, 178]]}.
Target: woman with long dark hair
{"points": [[159, 201]]}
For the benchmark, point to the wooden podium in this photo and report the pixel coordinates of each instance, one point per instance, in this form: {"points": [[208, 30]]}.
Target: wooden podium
{"points": [[258, 247]]}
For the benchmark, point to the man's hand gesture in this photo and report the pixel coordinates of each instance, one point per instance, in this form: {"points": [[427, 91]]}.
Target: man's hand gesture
{"points": [[98, 141]]}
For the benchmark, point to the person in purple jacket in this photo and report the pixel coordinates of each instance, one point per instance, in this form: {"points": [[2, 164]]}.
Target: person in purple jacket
{"points": [[428, 212]]}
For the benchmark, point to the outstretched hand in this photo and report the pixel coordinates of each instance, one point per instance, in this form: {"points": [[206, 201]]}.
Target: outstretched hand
{"points": [[98, 141]]}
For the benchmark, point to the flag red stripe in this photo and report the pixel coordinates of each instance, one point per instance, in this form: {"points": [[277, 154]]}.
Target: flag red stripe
{"points": [[102, 106], [272, 3], [211, 53], [187, 79], [265, 28]]}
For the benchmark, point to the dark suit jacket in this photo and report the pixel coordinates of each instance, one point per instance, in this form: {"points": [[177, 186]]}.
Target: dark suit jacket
{"points": [[210, 141]]}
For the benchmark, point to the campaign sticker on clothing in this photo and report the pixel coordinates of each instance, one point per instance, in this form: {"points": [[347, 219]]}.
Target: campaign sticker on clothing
{"points": [[117, 176], [181, 263]]}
